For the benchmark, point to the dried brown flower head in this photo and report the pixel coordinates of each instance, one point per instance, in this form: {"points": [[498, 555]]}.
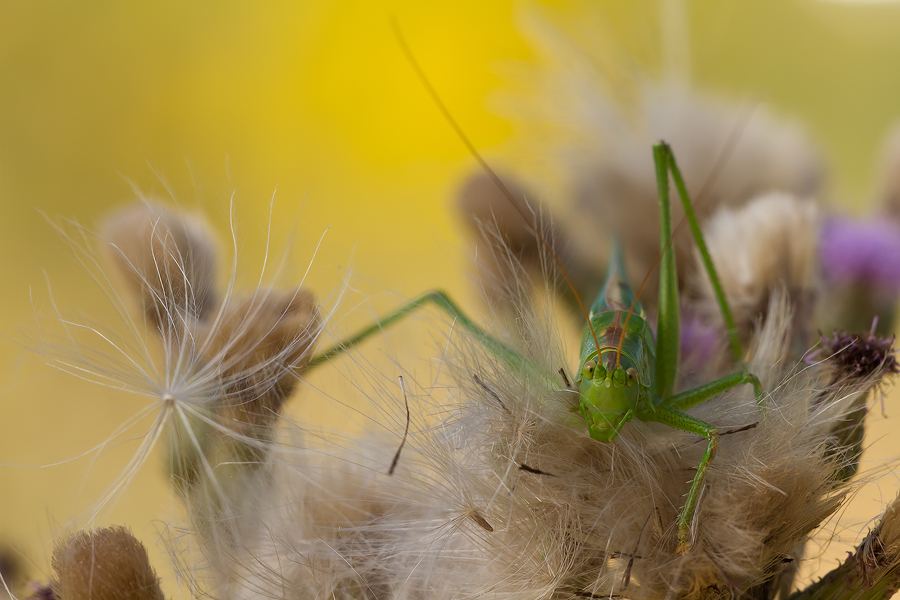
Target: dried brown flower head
{"points": [[218, 366], [168, 260], [259, 345], [501, 234], [769, 244], [104, 564]]}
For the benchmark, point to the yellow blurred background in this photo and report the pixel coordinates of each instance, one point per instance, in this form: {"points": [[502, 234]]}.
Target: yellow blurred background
{"points": [[199, 100]]}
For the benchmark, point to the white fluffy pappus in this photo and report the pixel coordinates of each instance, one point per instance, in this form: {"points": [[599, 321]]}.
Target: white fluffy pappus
{"points": [[213, 363], [769, 244], [500, 492]]}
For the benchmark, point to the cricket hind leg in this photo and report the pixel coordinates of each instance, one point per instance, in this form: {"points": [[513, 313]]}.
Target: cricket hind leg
{"points": [[670, 412], [685, 422], [731, 330], [668, 329], [440, 300]]}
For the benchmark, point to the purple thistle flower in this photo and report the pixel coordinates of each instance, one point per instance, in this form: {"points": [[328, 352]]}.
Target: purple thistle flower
{"points": [[859, 355], [701, 341], [861, 252], [42, 592]]}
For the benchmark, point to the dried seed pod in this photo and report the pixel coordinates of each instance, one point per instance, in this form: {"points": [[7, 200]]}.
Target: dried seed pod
{"points": [[168, 260], [253, 352], [502, 233], [855, 360], [769, 244], [104, 564], [257, 347]]}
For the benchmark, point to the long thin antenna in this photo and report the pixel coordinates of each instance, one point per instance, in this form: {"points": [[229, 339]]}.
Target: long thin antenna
{"points": [[448, 116]]}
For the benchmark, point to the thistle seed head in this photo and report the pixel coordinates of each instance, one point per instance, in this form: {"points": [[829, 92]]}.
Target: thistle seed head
{"points": [[859, 356], [104, 564], [167, 260]]}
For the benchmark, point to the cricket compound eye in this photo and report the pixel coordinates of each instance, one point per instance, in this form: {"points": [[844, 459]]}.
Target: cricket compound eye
{"points": [[630, 376], [588, 369]]}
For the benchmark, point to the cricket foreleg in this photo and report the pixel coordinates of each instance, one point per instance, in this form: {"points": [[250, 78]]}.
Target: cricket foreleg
{"points": [[439, 299], [685, 422]]}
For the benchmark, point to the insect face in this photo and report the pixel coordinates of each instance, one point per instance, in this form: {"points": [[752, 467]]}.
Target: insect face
{"points": [[609, 395]]}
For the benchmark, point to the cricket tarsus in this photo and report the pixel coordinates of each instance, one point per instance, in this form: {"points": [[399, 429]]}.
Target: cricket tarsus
{"points": [[405, 431]]}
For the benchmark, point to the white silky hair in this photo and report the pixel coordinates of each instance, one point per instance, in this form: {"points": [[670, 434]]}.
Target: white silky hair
{"points": [[498, 491], [192, 348]]}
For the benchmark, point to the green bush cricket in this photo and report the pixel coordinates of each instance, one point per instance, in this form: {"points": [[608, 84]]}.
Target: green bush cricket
{"points": [[625, 372]]}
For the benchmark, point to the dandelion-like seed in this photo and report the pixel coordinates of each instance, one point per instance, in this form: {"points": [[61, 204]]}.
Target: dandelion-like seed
{"points": [[218, 366]]}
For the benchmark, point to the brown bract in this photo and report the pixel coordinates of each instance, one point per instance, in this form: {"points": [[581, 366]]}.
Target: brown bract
{"points": [[253, 346], [502, 233], [261, 344], [104, 564], [167, 260]]}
